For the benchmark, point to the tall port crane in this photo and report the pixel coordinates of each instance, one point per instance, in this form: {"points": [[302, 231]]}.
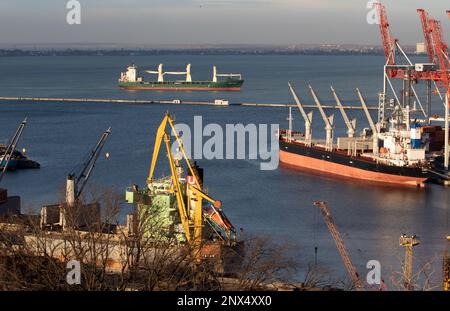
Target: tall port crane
{"points": [[6, 157], [441, 51], [161, 73], [387, 40], [340, 244], [351, 124], [76, 181], [194, 194]]}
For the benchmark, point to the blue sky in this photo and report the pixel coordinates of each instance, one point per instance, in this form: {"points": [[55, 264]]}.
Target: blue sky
{"points": [[211, 21]]}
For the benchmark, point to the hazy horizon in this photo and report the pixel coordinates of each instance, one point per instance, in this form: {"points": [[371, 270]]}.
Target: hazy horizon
{"points": [[211, 22]]}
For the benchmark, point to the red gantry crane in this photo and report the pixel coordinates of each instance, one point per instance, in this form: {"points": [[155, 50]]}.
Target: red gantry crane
{"points": [[441, 51], [399, 66], [424, 18], [340, 244]]}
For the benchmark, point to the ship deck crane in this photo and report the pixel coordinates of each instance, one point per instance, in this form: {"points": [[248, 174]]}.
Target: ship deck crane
{"points": [[229, 75], [307, 117], [77, 181], [351, 125], [161, 73], [340, 244], [441, 51], [399, 66], [4, 161], [328, 121], [371, 124], [387, 40], [446, 268]]}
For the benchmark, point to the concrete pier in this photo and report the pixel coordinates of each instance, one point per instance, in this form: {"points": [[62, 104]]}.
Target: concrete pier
{"points": [[165, 102]]}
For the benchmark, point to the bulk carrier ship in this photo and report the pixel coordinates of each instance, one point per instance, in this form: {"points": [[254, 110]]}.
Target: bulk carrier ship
{"points": [[130, 80], [396, 152]]}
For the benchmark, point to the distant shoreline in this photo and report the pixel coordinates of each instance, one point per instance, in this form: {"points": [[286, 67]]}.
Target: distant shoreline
{"points": [[151, 52]]}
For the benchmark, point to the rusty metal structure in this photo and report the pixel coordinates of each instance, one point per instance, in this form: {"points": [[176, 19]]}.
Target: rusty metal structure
{"points": [[408, 242], [340, 245]]}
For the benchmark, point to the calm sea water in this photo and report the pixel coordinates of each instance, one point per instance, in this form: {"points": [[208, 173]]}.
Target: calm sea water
{"points": [[276, 203]]}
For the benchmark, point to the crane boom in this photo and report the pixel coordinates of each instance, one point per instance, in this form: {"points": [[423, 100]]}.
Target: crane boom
{"points": [[442, 56], [441, 50], [327, 120], [387, 40], [299, 105], [11, 147], [366, 111], [427, 34], [177, 190], [158, 140], [351, 125], [339, 244]]}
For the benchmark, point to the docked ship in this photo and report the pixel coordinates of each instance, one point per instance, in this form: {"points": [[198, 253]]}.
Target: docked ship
{"points": [[18, 160], [397, 152], [130, 80]]}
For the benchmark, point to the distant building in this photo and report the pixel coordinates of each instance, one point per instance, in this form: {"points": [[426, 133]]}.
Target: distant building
{"points": [[421, 48]]}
